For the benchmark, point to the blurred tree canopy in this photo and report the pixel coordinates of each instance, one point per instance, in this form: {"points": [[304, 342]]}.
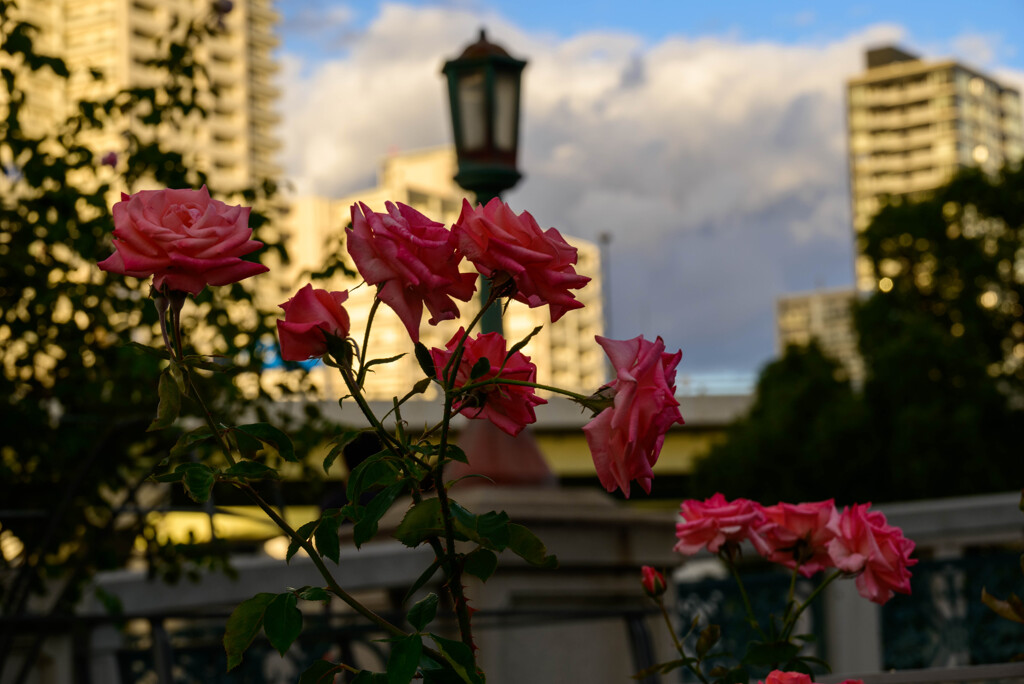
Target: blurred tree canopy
{"points": [[75, 453], [941, 412]]}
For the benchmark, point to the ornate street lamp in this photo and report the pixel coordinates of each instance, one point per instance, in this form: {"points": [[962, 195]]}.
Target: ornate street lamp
{"points": [[483, 90]]}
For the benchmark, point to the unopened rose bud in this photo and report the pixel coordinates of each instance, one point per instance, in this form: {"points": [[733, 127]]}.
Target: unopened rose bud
{"points": [[652, 581]]}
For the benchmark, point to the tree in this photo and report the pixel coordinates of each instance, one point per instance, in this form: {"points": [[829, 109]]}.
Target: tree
{"points": [[941, 412]]}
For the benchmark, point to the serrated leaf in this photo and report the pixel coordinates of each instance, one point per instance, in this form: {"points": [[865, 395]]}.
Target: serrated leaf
{"points": [[198, 481], [423, 579], [189, 440], [420, 523], [523, 342], [375, 471], [456, 454], [282, 622], [272, 437], [423, 612], [243, 626], [320, 672], [366, 528], [529, 547], [481, 368], [404, 659], [169, 407], [328, 542], [251, 470], [481, 564], [179, 378], [340, 442], [460, 657], [489, 530], [314, 594], [304, 532], [425, 360]]}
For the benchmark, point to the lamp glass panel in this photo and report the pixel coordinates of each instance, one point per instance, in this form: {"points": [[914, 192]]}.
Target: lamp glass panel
{"points": [[506, 104], [473, 109]]}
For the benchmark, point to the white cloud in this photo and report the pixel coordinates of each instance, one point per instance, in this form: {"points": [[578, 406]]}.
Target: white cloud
{"points": [[718, 166]]}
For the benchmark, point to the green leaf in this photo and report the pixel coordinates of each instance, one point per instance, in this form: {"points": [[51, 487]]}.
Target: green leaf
{"points": [[522, 343], [328, 543], [243, 626], [304, 532], [198, 480], [460, 657], [481, 368], [425, 360], [481, 564], [190, 439], [375, 471], [159, 353], [1011, 609], [179, 378], [367, 677], [420, 523], [271, 436], [365, 529], [709, 636], [529, 547], [320, 672], [282, 622], [170, 403], [455, 453], [376, 362], [340, 442], [489, 529], [314, 594], [404, 659], [424, 612], [661, 668], [251, 470]]}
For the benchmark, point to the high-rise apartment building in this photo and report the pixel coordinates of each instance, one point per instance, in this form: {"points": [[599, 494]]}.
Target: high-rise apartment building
{"points": [[234, 144], [825, 316], [913, 123], [565, 352]]}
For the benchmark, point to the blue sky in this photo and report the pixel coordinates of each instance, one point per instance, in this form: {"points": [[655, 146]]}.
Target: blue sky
{"points": [[708, 139]]}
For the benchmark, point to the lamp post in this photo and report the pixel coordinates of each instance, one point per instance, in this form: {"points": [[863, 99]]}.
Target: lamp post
{"points": [[483, 91]]}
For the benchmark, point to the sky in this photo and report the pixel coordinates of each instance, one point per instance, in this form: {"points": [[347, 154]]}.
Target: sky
{"points": [[705, 138]]}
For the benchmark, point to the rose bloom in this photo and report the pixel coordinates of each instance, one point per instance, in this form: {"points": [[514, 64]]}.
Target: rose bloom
{"points": [[798, 534], [715, 521], [653, 581], [413, 259], [183, 238], [540, 263], [509, 407], [866, 544], [625, 439], [780, 677], [307, 316]]}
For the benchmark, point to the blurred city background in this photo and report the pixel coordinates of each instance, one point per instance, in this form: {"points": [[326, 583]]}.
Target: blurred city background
{"points": [[822, 206]]}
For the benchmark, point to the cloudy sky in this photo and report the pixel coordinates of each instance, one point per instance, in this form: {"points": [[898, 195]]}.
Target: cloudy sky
{"points": [[706, 138]]}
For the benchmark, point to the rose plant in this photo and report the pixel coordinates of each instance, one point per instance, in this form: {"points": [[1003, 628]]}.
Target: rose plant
{"points": [[186, 241], [806, 538]]}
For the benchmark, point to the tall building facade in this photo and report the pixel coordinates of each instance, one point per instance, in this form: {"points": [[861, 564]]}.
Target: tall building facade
{"points": [[234, 144], [565, 352], [825, 316], [913, 123]]}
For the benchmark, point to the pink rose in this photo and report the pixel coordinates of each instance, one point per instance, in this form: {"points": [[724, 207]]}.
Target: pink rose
{"points": [[653, 581], [540, 263], [716, 521], [625, 438], [509, 407], [413, 259], [780, 677], [798, 534], [183, 238], [307, 316], [866, 544]]}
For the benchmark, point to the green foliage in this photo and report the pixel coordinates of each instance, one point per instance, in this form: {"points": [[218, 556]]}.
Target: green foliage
{"points": [[941, 411]]}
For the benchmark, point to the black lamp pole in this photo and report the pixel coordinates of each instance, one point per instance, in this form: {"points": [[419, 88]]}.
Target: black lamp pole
{"points": [[484, 91]]}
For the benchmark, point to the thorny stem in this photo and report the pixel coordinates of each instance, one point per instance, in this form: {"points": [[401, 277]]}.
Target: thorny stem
{"points": [[803, 606]]}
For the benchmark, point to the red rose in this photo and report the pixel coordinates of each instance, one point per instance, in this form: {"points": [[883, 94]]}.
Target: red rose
{"points": [[509, 407], [413, 259], [866, 544], [540, 263], [653, 581], [715, 521], [626, 438], [183, 238], [798, 534], [307, 316]]}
